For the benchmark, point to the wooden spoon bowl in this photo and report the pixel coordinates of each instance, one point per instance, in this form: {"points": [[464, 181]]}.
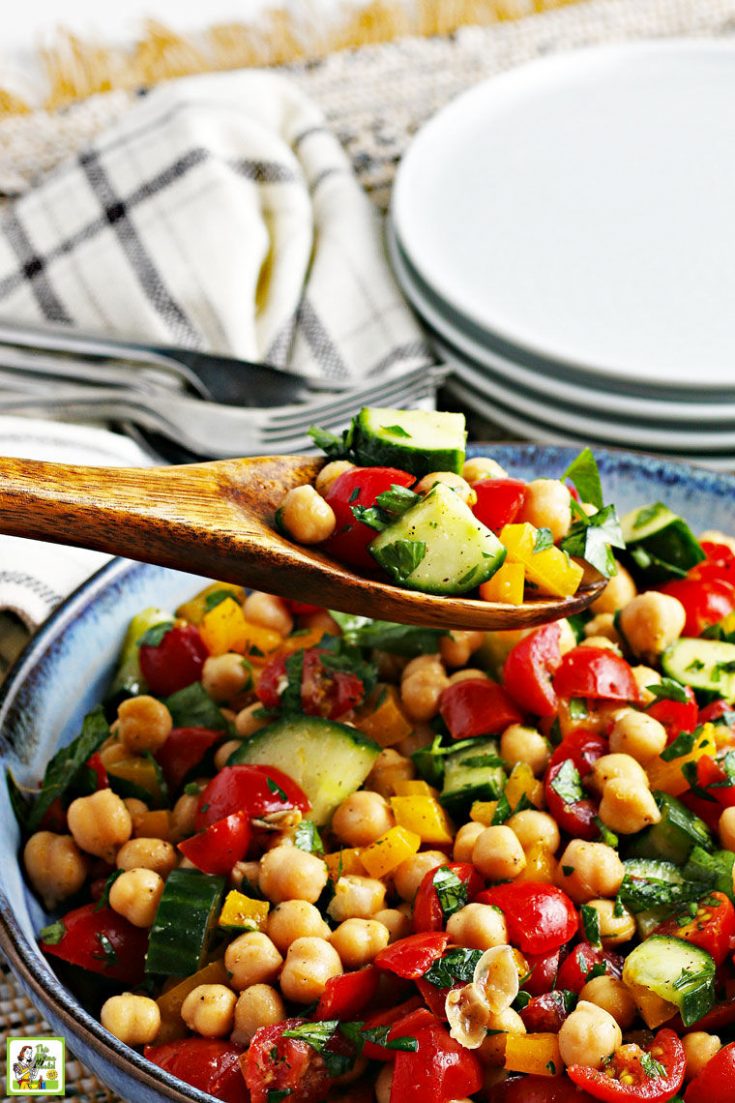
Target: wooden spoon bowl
{"points": [[216, 519]]}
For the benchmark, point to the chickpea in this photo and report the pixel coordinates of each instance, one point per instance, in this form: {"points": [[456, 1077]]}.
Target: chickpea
{"points": [[397, 922], [617, 767], [183, 817], [601, 642], [209, 1010], [252, 959], [422, 684], [482, 467], [224, 676], [478, 927], [603, 625], [726, 828], [637, 734], [135, 1020], [389, 768], [362, 818], [155, 854], [498, 854], [384, 1084], [259, 1005], [519, 743], [409, 874], [465, 839], [646, 676], [310, 963], [547, 505], [456, 648], [328, 476], [614, 929], [447, 478], [619, 591], [590, 870], [469, 674], [628, 809], [55, 866], [294, 919], [135, 807], [357, 941], [287, 873], [306, 516], [223, 753], [589, 1036], [356, 898], [246, 723], [612, 996], [268, 611], [100, 823], [534, 827], [135, 894], [699, 1048], [144, 724], [651, 622]]}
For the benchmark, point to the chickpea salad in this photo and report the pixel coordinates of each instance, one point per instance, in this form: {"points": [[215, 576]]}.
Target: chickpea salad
{"points": [[304, 856]]}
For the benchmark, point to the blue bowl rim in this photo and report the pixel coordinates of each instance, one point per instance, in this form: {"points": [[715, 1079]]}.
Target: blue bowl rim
{"points": [[50, 995]]}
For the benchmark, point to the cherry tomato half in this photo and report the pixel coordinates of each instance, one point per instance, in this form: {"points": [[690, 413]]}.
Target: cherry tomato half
{"points": [[216, 849], [716, 1081], [359, 486], [101, 941], [630, 1082], [595, 673], [274, 1064], [175, 662], [257, 790], [539, 917], [411, 957], [499, 501], [705, 601], [209, 1064], [477, 706], [712, 927], [529, 667], [427, 909], [583, 959]]}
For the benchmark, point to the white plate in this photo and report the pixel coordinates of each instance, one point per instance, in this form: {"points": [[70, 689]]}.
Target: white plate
{"points": [[682, 413], [581, 208]]}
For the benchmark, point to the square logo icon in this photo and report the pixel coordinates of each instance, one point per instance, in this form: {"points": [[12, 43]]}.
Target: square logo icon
{"points": [[35, 1066]]}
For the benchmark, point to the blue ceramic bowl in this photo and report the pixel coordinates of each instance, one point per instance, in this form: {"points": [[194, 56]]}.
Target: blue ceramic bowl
{"points": [[67, 667]]}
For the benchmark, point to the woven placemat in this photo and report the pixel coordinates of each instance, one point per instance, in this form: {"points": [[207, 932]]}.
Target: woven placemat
{"points": [[375, 98]]}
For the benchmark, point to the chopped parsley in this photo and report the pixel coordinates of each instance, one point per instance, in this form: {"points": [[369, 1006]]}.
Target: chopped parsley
{"points": [[451, 891], [53, 934], [567, 783]]}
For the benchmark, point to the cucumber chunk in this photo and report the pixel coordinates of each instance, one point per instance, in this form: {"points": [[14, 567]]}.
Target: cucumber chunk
{"points": [[660, 545], [676, 971], [652, 884], [472, 773], [438, 546], [675, 836], [713, 872], [418, 441], [185, 919], [705, 665], [328, 760]]}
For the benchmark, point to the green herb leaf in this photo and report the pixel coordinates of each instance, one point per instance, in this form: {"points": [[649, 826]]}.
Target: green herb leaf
{"points": [[155, 635], [372, 516], [502, 812], [216, 598], [318, 1036], [452, 892], [591, 539], [567, 783], [544, 540], [379, 1036], [591, 924], [53, 934], [277, 1095], [608, 837], [276, 789], [578, 708], [583, 473], [335, 447], [597, 970], [398, 639], [290, 696], [104, 899], [457, 965], [402, 557], [68, 762], [682, 745], [651, 1067], [395, 430], [192, 707], [397, 500], [307, 837], [669, 690], [109, 953]]}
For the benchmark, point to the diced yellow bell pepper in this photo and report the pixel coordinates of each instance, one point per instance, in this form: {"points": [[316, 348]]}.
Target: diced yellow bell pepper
{"points": [[242, 913], [415, 788], [654, 1009], [383, 719], [522, 783], [152, 825], [141, 772], [345, 863], [424, 816], [668, 777], [551, 570], [540, 865], [483, 811], [170, 1003], [194, 609], [309, 637], [261, 643], [386, 853], [535, 1054], [224, 628], [506, 585]]}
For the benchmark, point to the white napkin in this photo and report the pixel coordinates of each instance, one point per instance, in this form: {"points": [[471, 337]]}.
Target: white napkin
{"points": [[219, 213]]}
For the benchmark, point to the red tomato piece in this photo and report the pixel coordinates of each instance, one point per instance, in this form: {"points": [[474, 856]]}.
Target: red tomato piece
{"points": [[595, 673], [539, 1089], [676, 716], [301, 608], [276, 1064], [176, 662], [705, 601], [96, 764], [712, 777], [205, 1063], [427, 910], [545, 1014], [714, 711], [477, 707], [577, 817], [329, 693], [441, 1069], [256, 790], [528, 670], [216, 849], [392, 1015], [183, 750], [411, 957], [716, 1081], [583, 747], [712, 928], [542, 969], [539, 917], [359, 486], [346, 997], [499, 501], [636, 1085], [101, 941], [435, 998], [579, 963]]}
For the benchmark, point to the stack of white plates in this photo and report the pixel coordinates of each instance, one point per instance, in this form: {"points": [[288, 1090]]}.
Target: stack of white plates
{"points": [[567, 233]]}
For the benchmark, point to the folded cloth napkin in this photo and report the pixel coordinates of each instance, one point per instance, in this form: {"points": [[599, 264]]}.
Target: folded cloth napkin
{"points": [[219, 213]]}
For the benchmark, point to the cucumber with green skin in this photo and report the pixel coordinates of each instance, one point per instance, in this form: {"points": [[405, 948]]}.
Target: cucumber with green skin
{"points": [[185, 919], [659, 544], [708, 666], [417, 441], [438, 546], [674, 837], [713, 872], [676, 971], [472, 773], [649, 883], [328, 760], [128, 680]]}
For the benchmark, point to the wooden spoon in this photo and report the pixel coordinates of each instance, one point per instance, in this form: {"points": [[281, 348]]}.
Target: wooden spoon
{"points": [[216, 519]]}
